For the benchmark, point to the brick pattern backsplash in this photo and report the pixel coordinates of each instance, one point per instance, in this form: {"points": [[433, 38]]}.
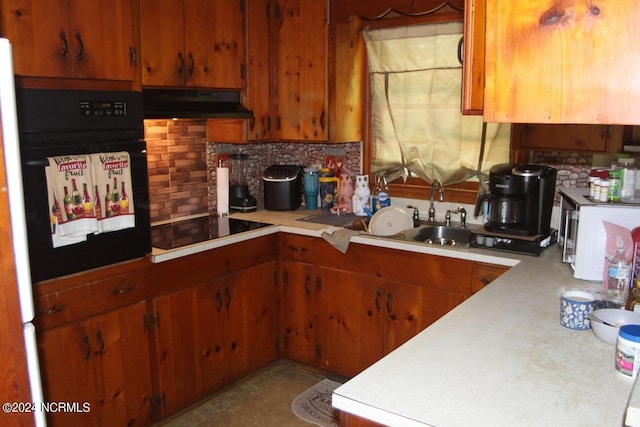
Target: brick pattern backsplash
{"points": [[177, 162], [182, 164], [573, 168]]}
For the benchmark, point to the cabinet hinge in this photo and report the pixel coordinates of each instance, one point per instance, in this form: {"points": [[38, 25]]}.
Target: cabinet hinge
{"points": [[156, 400], [285, 277], [151, 320], [243, 5], [318, 283], [243, 72], [278, 123], [318, 352], [269, 123], [277, 343], [132, 56]]}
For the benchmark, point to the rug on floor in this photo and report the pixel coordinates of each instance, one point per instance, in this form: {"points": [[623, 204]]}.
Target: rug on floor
{"points": [[314, 405]]}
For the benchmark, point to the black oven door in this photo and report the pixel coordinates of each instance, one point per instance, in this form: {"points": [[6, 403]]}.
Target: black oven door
{"points": [[99, 249]]}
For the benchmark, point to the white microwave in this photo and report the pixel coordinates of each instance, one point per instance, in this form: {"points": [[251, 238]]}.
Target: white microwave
{"points": [[581, 234]]}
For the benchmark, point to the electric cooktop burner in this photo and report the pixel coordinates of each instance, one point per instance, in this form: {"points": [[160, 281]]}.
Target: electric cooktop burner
{"points": [[196, 230]]}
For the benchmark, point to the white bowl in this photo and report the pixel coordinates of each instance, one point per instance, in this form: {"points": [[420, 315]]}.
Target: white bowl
{"points": [[613, 316]]}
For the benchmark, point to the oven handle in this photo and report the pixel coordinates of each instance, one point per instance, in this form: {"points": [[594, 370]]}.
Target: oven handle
{"points": [[40, 163]]}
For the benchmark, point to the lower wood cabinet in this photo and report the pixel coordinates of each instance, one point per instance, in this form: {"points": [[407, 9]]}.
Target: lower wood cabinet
{"points": [[371, 300], [139, 341], [100, 364], [298, 302], [214, 333], [93, 346]]}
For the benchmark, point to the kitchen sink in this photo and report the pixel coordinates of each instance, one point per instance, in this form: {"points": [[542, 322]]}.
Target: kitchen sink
{"points": [[445, 235]]}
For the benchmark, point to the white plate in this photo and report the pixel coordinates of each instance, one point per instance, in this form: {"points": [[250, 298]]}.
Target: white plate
{"points": [[389, 221]]}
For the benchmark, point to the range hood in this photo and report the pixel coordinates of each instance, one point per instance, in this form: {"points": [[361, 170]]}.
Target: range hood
{"points": [[192, 103]]}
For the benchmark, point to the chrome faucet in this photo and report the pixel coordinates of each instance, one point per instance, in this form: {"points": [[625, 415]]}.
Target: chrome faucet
{"points": [[432, 209], [463, 217]]}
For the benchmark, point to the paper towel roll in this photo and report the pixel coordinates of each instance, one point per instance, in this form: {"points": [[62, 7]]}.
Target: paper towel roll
{"points": [[222, 189]]}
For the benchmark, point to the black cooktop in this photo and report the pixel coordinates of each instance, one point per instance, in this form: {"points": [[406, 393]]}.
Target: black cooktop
{"points": [[196, 230]]}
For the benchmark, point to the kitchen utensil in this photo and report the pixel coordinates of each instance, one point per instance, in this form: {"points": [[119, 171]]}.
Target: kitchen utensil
{"points": [[389, 221], [606, 322]]}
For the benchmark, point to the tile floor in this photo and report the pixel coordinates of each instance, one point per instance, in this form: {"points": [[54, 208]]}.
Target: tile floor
{"points": [[261, 399]]}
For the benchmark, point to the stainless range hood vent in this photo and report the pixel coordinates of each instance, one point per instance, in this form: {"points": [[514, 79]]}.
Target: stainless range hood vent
{"points": [[192, 104]]}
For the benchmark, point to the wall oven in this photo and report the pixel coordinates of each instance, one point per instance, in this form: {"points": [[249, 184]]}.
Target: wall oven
{"points": [[64, 136]]}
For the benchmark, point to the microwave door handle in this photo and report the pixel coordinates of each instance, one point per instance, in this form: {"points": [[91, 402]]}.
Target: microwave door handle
{"points": [[570, 234]]}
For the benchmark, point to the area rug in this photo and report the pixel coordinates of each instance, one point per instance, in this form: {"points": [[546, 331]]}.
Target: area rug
{"points": [[314, 405]]}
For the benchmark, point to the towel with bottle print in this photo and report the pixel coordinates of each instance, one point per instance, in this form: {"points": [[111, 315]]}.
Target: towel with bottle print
{"points": [[113, 194], [73, 217], [89, 194]]}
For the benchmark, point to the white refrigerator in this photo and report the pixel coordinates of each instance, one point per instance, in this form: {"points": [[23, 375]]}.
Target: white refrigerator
{"points": [[18, 220]]}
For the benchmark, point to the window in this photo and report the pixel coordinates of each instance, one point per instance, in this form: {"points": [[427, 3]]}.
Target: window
{"points": [[417, 128]]}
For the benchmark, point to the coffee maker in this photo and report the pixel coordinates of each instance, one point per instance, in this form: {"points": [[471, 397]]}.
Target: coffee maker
{"points": [[239, 198], [520, 200]]}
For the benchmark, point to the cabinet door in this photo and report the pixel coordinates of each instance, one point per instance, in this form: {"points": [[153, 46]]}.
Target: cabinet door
{"points": [[103, 361], [302, 69], [190, 346], [102, 39], [251, 320], [351, 311], [593, 138], [164, 60], [404, 314], [214, 43], [297, 313], [483, 274], [40, 36], [530, 78], [473, 57], [259, 99]]}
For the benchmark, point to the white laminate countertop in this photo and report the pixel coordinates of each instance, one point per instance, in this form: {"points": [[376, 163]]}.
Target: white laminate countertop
{"points": [[499, 359]]}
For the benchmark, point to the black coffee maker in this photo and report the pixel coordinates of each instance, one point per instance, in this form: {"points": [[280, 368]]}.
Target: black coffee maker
{"points": [[520, 199]]}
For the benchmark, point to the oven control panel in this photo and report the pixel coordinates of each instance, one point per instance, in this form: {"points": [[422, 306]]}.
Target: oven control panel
{"points": [[103, 108]]}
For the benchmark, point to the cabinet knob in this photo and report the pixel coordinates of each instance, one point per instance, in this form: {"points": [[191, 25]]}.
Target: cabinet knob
{"points": [[122, 291]]}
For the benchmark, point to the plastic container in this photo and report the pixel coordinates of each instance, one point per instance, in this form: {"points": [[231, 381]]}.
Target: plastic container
{"points": [[615, 185], [635, 257], [604, 190], [629, 173], [380, 197], [618, 278], [627, 356]]}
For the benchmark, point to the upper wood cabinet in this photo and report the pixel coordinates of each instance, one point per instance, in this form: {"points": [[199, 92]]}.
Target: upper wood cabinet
{"points": [[565, 137], [288, 69], [71, 38], [195, 43], [556, 61]]}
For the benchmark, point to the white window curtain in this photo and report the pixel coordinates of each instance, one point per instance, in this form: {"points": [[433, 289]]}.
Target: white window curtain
{"points": [[418, 129]]}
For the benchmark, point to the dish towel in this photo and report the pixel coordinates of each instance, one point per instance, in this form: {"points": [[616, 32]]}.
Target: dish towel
{"points": [[69, 179], [112, 178], [339, 237]]}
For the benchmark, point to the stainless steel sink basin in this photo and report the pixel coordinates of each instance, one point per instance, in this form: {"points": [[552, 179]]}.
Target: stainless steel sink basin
{"points": [[445, 235]]}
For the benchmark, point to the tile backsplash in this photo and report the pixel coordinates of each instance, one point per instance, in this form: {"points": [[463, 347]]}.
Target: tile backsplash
{"points": [[182, 179]]}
